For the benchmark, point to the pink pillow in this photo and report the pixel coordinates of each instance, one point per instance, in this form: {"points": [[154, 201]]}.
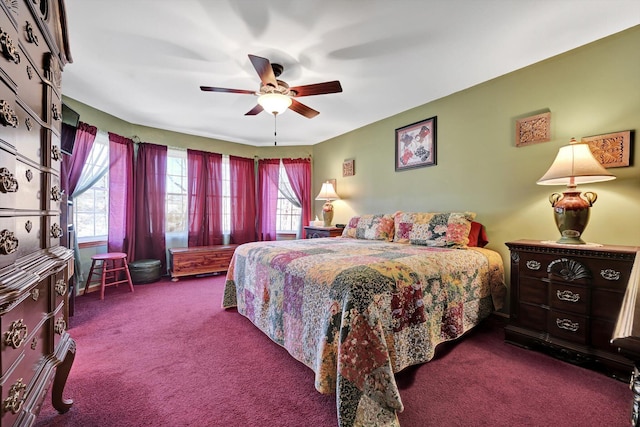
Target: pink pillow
{"points": [[370, 227], [440, 229]]}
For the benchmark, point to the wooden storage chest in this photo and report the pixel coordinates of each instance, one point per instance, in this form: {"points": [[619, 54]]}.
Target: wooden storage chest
{"points": [[199, 260]]}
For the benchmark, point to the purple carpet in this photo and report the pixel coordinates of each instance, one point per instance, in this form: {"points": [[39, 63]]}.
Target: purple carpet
{"points": [[168, 355]]}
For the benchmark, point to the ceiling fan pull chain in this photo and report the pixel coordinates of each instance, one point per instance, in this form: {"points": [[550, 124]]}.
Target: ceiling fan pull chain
{"points": [[275, 129]]}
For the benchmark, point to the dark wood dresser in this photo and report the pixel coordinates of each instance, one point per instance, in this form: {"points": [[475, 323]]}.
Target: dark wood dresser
{"points": [[566, 299], [35, 269]]}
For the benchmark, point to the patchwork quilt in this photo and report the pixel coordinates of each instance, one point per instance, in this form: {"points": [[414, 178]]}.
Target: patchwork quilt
{"points": [[358, 311]]}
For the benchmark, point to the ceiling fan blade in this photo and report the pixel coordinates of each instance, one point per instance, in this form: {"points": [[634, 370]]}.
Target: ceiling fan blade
{"points": [[264, 69], [300, 108], [317, 89], [222, 89], [255, 110]]}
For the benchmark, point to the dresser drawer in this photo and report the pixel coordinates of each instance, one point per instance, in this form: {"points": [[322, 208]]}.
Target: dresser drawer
{"points": [[532, 316], [8, 182], [533, 265], [606, 303], [28, 136], [21, 327], [28, 231], [11, 57], [611, 273], [568, 326], [32, 90], [29, 192], [574, 299], [8, 116], [60, 282], [55, 192], [19, 381], [53, 230], [532, 290], [32, 38]]}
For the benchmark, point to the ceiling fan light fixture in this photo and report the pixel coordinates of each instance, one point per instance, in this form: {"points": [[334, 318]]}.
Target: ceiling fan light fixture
{"points": [[274, 103]]}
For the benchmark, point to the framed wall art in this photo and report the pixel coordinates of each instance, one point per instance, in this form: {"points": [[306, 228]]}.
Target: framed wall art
{"points": [[534, 129], [349, 167], [612, 149], [416, 145]]}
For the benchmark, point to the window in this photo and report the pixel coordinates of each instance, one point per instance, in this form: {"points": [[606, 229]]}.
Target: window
{"points": [[176, 200], [288, 211], [91, 205]]}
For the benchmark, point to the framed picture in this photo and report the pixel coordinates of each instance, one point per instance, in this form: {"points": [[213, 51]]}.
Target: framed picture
{"points": [[612, 150], [534, 129], [416, 145], [348, 168]]}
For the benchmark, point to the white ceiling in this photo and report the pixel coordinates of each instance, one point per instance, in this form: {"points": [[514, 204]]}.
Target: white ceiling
{"points": [[145, 60]]}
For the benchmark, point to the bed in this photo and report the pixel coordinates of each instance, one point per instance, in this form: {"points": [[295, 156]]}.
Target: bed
{"points": [[359, 308]]}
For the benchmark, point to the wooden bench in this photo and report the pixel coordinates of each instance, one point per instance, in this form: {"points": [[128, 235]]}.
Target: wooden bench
{"points": [[199, 260]]}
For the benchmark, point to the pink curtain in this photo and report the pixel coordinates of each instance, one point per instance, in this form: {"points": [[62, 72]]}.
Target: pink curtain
{"points": [[71, 167], [121, 196], [151, 176], [243, 199], [268, 178], [299, 174], [204, 178]]}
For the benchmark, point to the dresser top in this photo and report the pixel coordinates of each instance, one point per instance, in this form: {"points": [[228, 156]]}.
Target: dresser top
{"points": [[547, 246]]}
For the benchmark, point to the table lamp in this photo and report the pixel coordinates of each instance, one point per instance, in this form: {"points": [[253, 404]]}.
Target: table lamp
{"points": [[574, 164], [327, 193]]}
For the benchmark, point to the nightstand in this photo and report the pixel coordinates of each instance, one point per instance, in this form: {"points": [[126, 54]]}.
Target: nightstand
{"points": [[313, 232], [565, 299]]}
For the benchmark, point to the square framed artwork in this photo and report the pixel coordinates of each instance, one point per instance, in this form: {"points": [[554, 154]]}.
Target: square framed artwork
{"points": [[349, 167], [612, 150], [416, 144], [533, 130]]}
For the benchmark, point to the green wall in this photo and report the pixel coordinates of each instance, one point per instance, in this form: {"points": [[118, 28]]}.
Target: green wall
{"points": [[109, 123], [592, 90]]}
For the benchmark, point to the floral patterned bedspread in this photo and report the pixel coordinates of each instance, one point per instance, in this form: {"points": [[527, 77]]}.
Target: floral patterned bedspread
{"points": [[358, 311]]}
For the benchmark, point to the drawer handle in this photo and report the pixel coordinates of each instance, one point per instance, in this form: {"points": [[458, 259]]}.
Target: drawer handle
{"points": [[15, 397], [610, 274], [8, 242], [32, 38], [35, 294], [60, 326], [56, 193], [567, 324], [533, 265], [55, 113], [28, 124], [8, 182], [8, 49], [567, 296], [61, 287], [56, 231], [8, 117], [56, 154], [16, 334]]}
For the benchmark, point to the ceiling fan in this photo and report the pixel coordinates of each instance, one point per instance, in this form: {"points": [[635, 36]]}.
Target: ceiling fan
{"points": [[271, 88]]}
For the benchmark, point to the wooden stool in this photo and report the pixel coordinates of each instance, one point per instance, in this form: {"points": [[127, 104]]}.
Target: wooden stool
{"points": [[110, 265]]}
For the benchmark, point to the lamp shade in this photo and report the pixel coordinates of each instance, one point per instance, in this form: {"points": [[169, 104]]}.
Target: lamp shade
{"points": [[574, 165], [327, 192], [274, 103]]}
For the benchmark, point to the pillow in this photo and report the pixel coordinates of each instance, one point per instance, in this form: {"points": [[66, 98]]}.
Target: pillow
{"points": [[370, 227], [440, 229], [477, 235]]}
